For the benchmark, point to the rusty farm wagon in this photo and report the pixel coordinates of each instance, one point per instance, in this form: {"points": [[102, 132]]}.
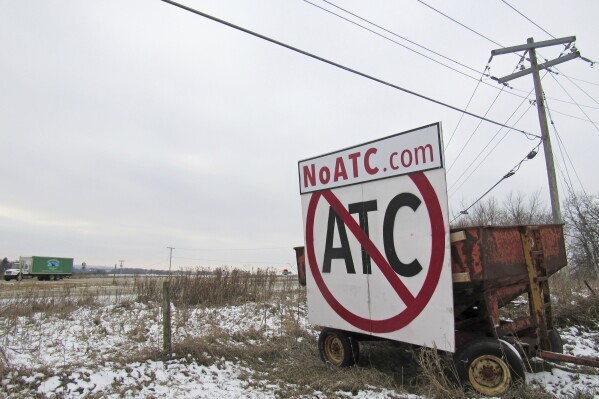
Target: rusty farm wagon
{"points": [[491, 266]]}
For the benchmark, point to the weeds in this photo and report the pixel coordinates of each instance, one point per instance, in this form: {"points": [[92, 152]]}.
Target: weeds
{"points": [[253, 319], [220, 287], [437, 375]]}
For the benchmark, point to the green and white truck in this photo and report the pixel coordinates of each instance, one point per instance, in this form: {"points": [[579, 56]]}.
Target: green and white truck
{"points": [[42, 267]]}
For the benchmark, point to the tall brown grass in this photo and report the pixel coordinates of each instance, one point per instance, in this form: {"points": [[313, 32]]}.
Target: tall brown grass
{"points": [[223, 286]]}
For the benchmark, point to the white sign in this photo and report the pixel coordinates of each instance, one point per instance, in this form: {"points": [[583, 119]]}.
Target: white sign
{"points": [[400, 154], [377, 239]]}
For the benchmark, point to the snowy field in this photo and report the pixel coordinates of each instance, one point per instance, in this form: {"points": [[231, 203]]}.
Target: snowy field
{"points": [[111, 348]]}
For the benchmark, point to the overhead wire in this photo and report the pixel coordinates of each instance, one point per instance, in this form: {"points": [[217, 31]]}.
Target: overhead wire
{"points": [[484, 73], [512, 172], [459, 23], [581, 89], [480, 80], [580, 80], [580, 108], [337, 65], [574, 117], [453, 189], [528, 19], [487, 38], [556, 71], [489, 142], [498, 44], [538, 26], [388, 31], [455, 129], [393, 33], [501, 90], [565, 175], [478, 126], [472, 134], [563, 150]]}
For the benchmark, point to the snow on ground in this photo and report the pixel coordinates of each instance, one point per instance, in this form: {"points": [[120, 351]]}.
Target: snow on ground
{"points": [[91, 352], [566, 383]]}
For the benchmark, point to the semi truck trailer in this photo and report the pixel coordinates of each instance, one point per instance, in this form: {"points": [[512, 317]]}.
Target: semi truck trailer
{"points": [[42, 267]]}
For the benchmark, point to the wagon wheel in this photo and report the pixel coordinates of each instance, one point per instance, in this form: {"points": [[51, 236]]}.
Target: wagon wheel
{"points": [[489, 366], [337, 348]]}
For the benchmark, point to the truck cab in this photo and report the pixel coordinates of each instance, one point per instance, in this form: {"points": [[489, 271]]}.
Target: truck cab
{"points": [[14, 272]]}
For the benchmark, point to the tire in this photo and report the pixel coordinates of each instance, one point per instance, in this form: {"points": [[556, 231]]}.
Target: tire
{"points": [[555, 342], [7, 279], [488, 366], [337, 349]]}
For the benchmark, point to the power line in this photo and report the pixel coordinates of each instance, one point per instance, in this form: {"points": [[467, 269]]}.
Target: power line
{"points": [[364, 75], [461, 24], [390, 32], [500, 45], [580, 88], [535, 24], [562, 146], [473, 132], [462, 116], [538, 26], [490, 141], [528, 19], [580, 80], [568, 94], [512, 172], [453, 187], [399, 44], [479, 80], [574, 117], [478, 126], [484, 73]]}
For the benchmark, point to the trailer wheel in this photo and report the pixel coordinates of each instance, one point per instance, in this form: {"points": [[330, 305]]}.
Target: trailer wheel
{"points": [[555, 342], [489, 366], [337, 348]]}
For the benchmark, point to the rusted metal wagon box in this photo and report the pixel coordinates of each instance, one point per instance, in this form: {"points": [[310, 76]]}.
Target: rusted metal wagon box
{"points": [[492, 265]]}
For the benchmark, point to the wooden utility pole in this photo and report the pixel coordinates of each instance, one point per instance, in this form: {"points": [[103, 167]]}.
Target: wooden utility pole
{"points": [[534, 69], [170, 261]]}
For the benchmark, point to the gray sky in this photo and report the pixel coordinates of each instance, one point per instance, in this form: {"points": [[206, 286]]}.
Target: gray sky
{"points": [[127, 126]]}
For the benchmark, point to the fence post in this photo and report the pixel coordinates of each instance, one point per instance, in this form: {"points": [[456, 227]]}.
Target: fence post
{"points": [[166, 317]]}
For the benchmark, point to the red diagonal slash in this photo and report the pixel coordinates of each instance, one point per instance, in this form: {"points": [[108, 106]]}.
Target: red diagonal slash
{"points": [[378, 258], [414, 304]]}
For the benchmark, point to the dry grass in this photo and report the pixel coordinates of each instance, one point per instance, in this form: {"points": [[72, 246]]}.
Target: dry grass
{"points": [[572, 308], [437, 375], [287, 357], [290, 361], [33, 301], [223, 286]]}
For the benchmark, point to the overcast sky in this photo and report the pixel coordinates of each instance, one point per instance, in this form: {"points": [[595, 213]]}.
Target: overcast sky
{"points": [[127, 126]]}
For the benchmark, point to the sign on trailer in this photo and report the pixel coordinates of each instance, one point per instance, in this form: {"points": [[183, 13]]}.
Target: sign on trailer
{"points": [[377, 239]]}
